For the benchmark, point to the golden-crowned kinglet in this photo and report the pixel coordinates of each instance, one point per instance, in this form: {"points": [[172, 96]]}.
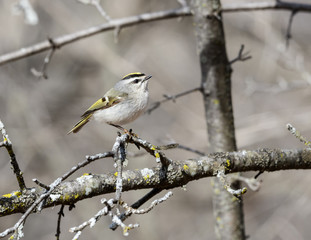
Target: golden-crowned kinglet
{"points": [[122, 104]]}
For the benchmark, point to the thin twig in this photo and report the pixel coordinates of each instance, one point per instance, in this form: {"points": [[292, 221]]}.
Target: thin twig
{"points": [[24, 7], [289, 27], [259, 6], [41, 184], [241, 56], [60, 215], [171, 98], [252, 183], [131, 210], [116, 34], [143, 18], [42, 74], [223, 179], [99, 8], [119, 158], [107, 210], [152, 149], [191, 150], [52, 186], [96, 3], [298, 135], [73, 37], [8, 145], [136, 205]]}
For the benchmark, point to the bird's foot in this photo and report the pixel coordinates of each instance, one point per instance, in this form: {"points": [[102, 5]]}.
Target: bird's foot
{"points": [[129, 132]]}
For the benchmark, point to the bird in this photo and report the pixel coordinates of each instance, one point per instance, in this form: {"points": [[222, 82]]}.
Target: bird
{"points": [[122, 104]]}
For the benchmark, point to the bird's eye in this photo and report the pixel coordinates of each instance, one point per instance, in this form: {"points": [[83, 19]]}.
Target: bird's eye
{"points": [[136, 81]]}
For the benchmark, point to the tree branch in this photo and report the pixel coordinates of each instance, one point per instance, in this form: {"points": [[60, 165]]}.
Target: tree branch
{"points": [[171, 98], [69, 38], [143, 18], [8, 145], [178, 174], [258, 6]]}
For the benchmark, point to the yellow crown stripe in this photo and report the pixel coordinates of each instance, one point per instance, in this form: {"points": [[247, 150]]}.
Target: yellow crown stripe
{"points": [[134, 74]]}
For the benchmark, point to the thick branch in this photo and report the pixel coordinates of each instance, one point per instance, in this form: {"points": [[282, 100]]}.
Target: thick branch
{"points": [[143, 18], [178, 174], [111, 25], [216, 92], [275, 5]]}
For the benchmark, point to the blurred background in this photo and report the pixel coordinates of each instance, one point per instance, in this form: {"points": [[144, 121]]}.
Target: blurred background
{"points": [[269, 91]]}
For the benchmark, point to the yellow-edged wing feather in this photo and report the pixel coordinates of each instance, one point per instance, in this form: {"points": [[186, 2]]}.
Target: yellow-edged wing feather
{"points": [[111, 98]]}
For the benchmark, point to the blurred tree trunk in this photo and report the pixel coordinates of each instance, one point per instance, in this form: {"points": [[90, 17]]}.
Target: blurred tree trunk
{"points": [[216, 90]]}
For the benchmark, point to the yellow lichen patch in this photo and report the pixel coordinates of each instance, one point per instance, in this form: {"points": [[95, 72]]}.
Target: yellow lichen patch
{"points": [[216, 101], [7, 195], [147, 174], [185, 167], [146, 177], [125, 230], [116, 174], [228, 163], [76, 196], [85, 174], [157, 155], [67, 197]]}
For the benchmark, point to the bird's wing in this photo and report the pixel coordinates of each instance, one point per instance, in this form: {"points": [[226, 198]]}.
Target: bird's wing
{"points": [[111, 98]]}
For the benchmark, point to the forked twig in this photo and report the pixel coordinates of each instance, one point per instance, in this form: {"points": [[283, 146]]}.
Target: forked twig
{"points": [[171, 98]]}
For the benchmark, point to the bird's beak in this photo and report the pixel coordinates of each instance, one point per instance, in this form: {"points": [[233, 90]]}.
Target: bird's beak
{"points": [[147, 77]]}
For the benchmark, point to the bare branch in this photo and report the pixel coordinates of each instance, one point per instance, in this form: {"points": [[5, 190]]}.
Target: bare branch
{"points": [[143, 18], [136, 205], [191, 150], [41, 184], [252, 183], [152, 149], [119, 158], [24, 7], [8, 145], [148, 209], [226, 184], [96, 3], [178, 173], [298, 135], [107, 210], [69, 38], [241, 56], [171, 98], [258, 6], [289, 27], [47, 60], [30, 208], [60, 215], [109, 205]]}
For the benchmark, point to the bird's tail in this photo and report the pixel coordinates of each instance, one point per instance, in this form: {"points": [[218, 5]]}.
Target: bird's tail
{"points": [[80, 124]]}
